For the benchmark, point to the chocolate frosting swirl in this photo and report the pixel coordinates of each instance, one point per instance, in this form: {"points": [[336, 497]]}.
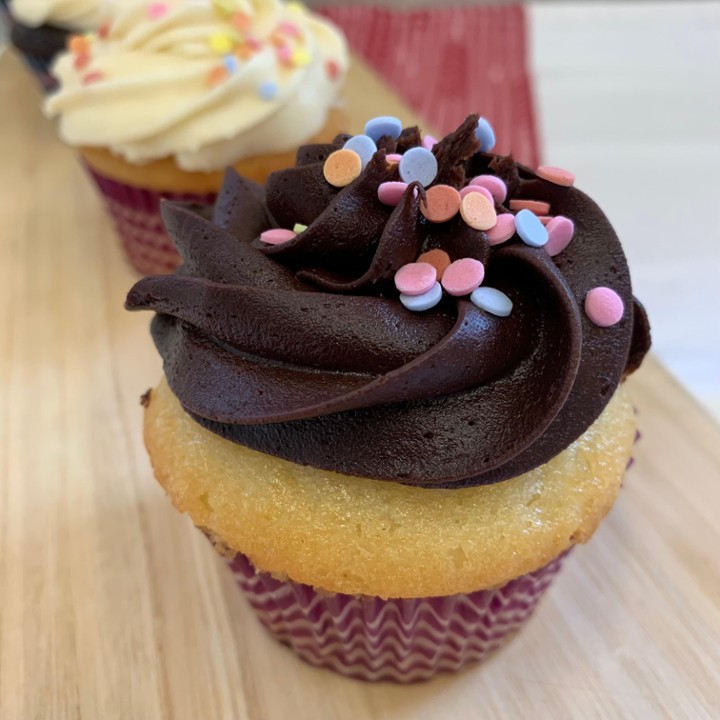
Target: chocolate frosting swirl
{"points": [[303, 350]]}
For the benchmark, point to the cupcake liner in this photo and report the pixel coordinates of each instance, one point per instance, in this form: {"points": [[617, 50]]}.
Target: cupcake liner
{"points": [[136, 215], [402, 640]]}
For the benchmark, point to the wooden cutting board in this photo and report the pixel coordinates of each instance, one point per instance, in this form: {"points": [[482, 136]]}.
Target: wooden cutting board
{"points": [[113, 607]]}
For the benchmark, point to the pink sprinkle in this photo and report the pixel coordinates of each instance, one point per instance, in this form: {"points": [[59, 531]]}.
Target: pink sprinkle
{"points": [[252, 42], [545, 219], [285, 54], [157, 10], [556, 175], [393, 157], [503, 230], [415, 278], [477, 188], [463, 276], [604, 306], [289, 28], [93, 77], [494, 184], [277, 236], [534, 206], [390, 193], [428, 142], [560, 232]]}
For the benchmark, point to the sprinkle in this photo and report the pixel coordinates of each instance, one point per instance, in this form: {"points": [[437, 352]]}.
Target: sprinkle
{"points": [[545, 219], [289, 28], [495, 185], [560, 232], [78, 44], [383, 126], [463, 276], [530, 229], [420, 303], [104, 30], [285, 54], [157, 10], [429, 142], [418, 165], [231, 63], [342, 167], [240, 21], [476, 188], [478, 212], [299, 227], [296, 7], [301, 57], [216, 75], [536, 206], [221, 43], [268, 90], [439, 259], [82, 60], [390, 193], [364, 146], [604, 307], [415, 278], [393, 158], [93, 77], [492, 301], [442, 203], [503, 230], [485, 135], [332, 69], [252, 42], [243, 52], [556, 175], [278, 40], [277, 236]]}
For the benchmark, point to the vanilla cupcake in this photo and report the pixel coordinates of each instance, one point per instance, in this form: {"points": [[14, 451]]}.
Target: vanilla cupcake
{"points": [[173, 92], [40, 29], [393, 392]]}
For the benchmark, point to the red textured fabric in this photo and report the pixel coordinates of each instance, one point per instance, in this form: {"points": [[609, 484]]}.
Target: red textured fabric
{"points": [[446, 63]]}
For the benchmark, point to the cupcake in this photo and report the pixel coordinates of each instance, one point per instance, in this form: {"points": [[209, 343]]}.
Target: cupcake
{"points": [[171, 93], [393, 391], [40, 29]]}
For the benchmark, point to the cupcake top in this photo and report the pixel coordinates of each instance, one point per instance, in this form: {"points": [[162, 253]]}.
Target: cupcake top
{"points": [[399, 308], [207, 83], [67, 14]]}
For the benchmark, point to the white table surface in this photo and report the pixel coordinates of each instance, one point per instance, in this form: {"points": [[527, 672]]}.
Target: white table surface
{"points": [[629, 99]]}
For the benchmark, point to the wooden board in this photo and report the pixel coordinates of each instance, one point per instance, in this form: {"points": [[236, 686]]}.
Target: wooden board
{"points": [[113, 607]]}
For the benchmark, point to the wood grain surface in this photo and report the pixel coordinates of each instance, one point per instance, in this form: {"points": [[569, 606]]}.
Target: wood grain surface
{"points": [[113, 607]]}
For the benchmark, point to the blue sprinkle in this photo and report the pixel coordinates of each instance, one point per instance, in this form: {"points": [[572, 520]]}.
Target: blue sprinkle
{"points": [[382, 126], [492, 301], [418, 165], [420, 303], [268, 90], [485, 135], [364, 146], [530, 229], [231, 63]]}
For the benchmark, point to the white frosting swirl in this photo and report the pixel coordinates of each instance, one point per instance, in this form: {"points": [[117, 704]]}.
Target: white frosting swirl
{"points": [[151, 93], [69, 14]]}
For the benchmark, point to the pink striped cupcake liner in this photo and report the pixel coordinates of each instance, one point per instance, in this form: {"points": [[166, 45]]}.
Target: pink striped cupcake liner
{"points": [[402, 640], [136, 215]]}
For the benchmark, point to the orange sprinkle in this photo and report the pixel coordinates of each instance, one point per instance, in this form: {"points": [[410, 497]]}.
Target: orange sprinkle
{"points": [[534, 206], [332, 69], [342, 167], [104, 31], [240, 21], [244, 52], [478, 212], [442, 203], [278, 39], [81, 60], [78, 44], [439, 259], [217, 75]]}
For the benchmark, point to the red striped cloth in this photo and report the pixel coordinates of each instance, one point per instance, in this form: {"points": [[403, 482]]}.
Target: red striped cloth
{"points": [[446, 63]]}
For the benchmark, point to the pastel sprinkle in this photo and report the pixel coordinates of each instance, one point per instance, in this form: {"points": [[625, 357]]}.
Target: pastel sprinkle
{"points": [[252, 42], [536, 206], [604, 307], [364, 146], [299, 227], [157, 10], [495, 185], [390, 193], [503, 230], [221, 43], [296, 7], [415, 278], [393, 158], [244, 52], [545, 219], [240, 21], [277, 236], [93, 77], [420, 303], [289, 28], [556, 175], [342, 167], [78, 44], [82, 60], [441, 204], [492, 301], [476, 188], [485, 135], [104, 30], [231, 63], [530, 229], [438, 258], [463, 276], [478, 212], [268, 90], [560, 232], [383, 126], [332, 69], [429, 142], [285, 54], [301, 57], [418, 165]]}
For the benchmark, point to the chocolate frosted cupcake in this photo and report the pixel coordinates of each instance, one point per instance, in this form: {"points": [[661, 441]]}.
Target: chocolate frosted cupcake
{"points": [[393, 391]]}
